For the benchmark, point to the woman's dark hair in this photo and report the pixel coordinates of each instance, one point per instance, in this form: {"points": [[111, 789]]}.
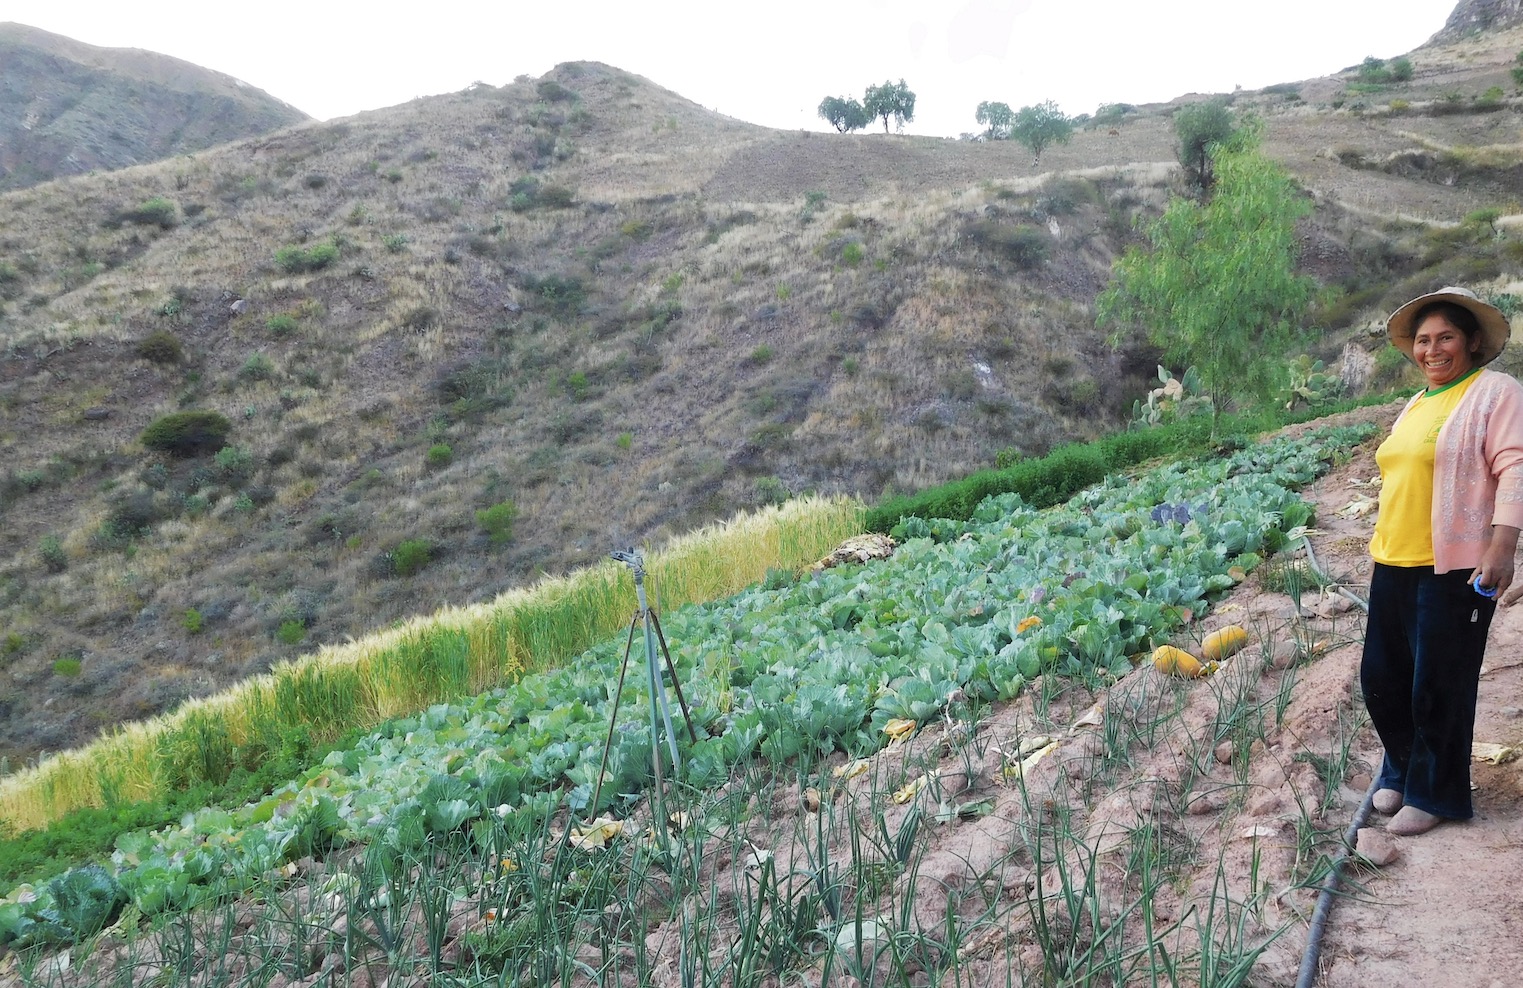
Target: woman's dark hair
{"points": [[1457, 316]]}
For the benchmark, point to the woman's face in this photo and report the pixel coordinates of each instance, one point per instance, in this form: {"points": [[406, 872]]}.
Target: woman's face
{"points": [[1442, 351]]}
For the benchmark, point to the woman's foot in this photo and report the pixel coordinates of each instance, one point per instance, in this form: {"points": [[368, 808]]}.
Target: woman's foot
{"points": [[1411, 821], [1387, 801]]}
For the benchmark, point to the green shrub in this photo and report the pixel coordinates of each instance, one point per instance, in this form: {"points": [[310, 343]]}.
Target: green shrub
{"points": [[294, 259], [234, 462], [762, 354], [851, 254], [1400, 106], [192, 621], [257, 368], [625, 440], [68, 667], [1517, 71], [553, 92], [497, 521], [562, 297], [771, 490], [1490, 99], [291, 632], [161, 347], [187, 433], [394, 243], [50, 550], [440, 455], [158, 211], [282, 325], [411, 556], [1374, 70], [1401, 70]]}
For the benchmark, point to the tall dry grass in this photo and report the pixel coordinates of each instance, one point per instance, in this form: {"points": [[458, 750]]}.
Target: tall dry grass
{"points": [[458, 651]]}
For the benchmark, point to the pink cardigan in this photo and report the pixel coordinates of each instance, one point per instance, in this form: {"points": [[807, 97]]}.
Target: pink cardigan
{"points": [[1477, 471]]}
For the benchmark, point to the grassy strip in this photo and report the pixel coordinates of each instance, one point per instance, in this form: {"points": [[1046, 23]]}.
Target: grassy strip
{"points": [[457, 652], [89, 833], [1067, 470]]}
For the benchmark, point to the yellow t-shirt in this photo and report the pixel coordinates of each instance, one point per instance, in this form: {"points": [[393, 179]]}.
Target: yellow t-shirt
{"points": [[1404, 528]]}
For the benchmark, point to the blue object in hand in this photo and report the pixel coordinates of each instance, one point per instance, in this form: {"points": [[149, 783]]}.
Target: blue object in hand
{"points": [[1489, 593]]}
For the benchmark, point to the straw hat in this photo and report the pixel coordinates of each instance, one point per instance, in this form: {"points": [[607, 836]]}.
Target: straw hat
{"points": [[1494, 327]]}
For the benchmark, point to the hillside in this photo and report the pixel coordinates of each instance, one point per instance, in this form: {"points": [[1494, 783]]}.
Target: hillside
{"points": [[68, 108], [622, 313]]}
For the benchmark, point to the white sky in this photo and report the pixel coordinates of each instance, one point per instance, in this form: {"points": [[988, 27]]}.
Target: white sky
{"points": [[768, 63]]}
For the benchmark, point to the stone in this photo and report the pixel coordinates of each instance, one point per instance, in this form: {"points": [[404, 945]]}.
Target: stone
{"points": [[1376, 846], [97, 414], [1224, 752], [1199, 803], [239, 307], [1285, 655], [1266, 805]]}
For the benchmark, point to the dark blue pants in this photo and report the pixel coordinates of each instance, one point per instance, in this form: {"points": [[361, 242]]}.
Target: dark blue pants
{"points": [[1421, 670]]}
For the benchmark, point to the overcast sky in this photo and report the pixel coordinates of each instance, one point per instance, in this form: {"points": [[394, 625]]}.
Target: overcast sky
{"points": [[768, 63]]}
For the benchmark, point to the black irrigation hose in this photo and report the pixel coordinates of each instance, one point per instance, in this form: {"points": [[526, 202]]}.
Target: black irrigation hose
{"points": [[1313, 954], [1329, 891]]}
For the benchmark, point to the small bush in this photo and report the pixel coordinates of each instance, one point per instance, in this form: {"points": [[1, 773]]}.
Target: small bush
{"points": [[187, 433], [234, 462], [257, 368], [1401, 70], [282, 325], [497, 521], [160, 347], [192, 621], [291, 632], [294, 259], [67, 667], [50, 551], [158, 211], [771, 490], [553, 92], [440, 455], [395, 243], [411, 556], [1490, 99], [851, 254]]}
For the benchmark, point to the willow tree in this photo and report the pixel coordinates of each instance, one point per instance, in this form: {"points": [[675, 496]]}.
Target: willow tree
{"points": [[1216, 286]]}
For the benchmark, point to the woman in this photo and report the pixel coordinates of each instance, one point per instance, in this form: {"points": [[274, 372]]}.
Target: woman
{"points": [[1451, 507]]}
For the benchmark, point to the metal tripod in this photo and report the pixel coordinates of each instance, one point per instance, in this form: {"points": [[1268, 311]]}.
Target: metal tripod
{"points": [[660, 706]]}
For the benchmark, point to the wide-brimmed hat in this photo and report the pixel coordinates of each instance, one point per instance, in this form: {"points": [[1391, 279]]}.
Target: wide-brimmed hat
{"points": [[1494, 327]]}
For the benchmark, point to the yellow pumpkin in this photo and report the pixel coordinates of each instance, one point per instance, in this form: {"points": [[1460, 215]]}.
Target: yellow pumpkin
{"points": [[1223, 642], [1176, 662]]}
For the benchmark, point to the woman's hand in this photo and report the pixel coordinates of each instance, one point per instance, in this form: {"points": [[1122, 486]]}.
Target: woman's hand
{"points": [[1496, 569]]}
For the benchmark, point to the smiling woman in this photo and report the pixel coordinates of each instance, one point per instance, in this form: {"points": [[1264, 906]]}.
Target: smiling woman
{"points": [[1451, 507]]}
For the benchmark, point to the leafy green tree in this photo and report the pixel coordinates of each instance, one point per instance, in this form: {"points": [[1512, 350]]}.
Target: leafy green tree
{"points": [[1216, 288], [1039, 126], [890, 100], [1199, 127], [997, 118], [844, 114]]}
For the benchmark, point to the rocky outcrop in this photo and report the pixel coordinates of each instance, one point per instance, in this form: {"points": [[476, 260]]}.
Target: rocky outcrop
{"points": [[1473, 16]]}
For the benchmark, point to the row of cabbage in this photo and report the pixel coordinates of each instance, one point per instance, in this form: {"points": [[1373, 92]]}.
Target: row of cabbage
{"points": [[980, 608]]}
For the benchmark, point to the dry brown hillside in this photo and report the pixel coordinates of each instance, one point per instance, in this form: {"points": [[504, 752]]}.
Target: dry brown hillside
{"points": [[622, 313], [68, 108]]}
